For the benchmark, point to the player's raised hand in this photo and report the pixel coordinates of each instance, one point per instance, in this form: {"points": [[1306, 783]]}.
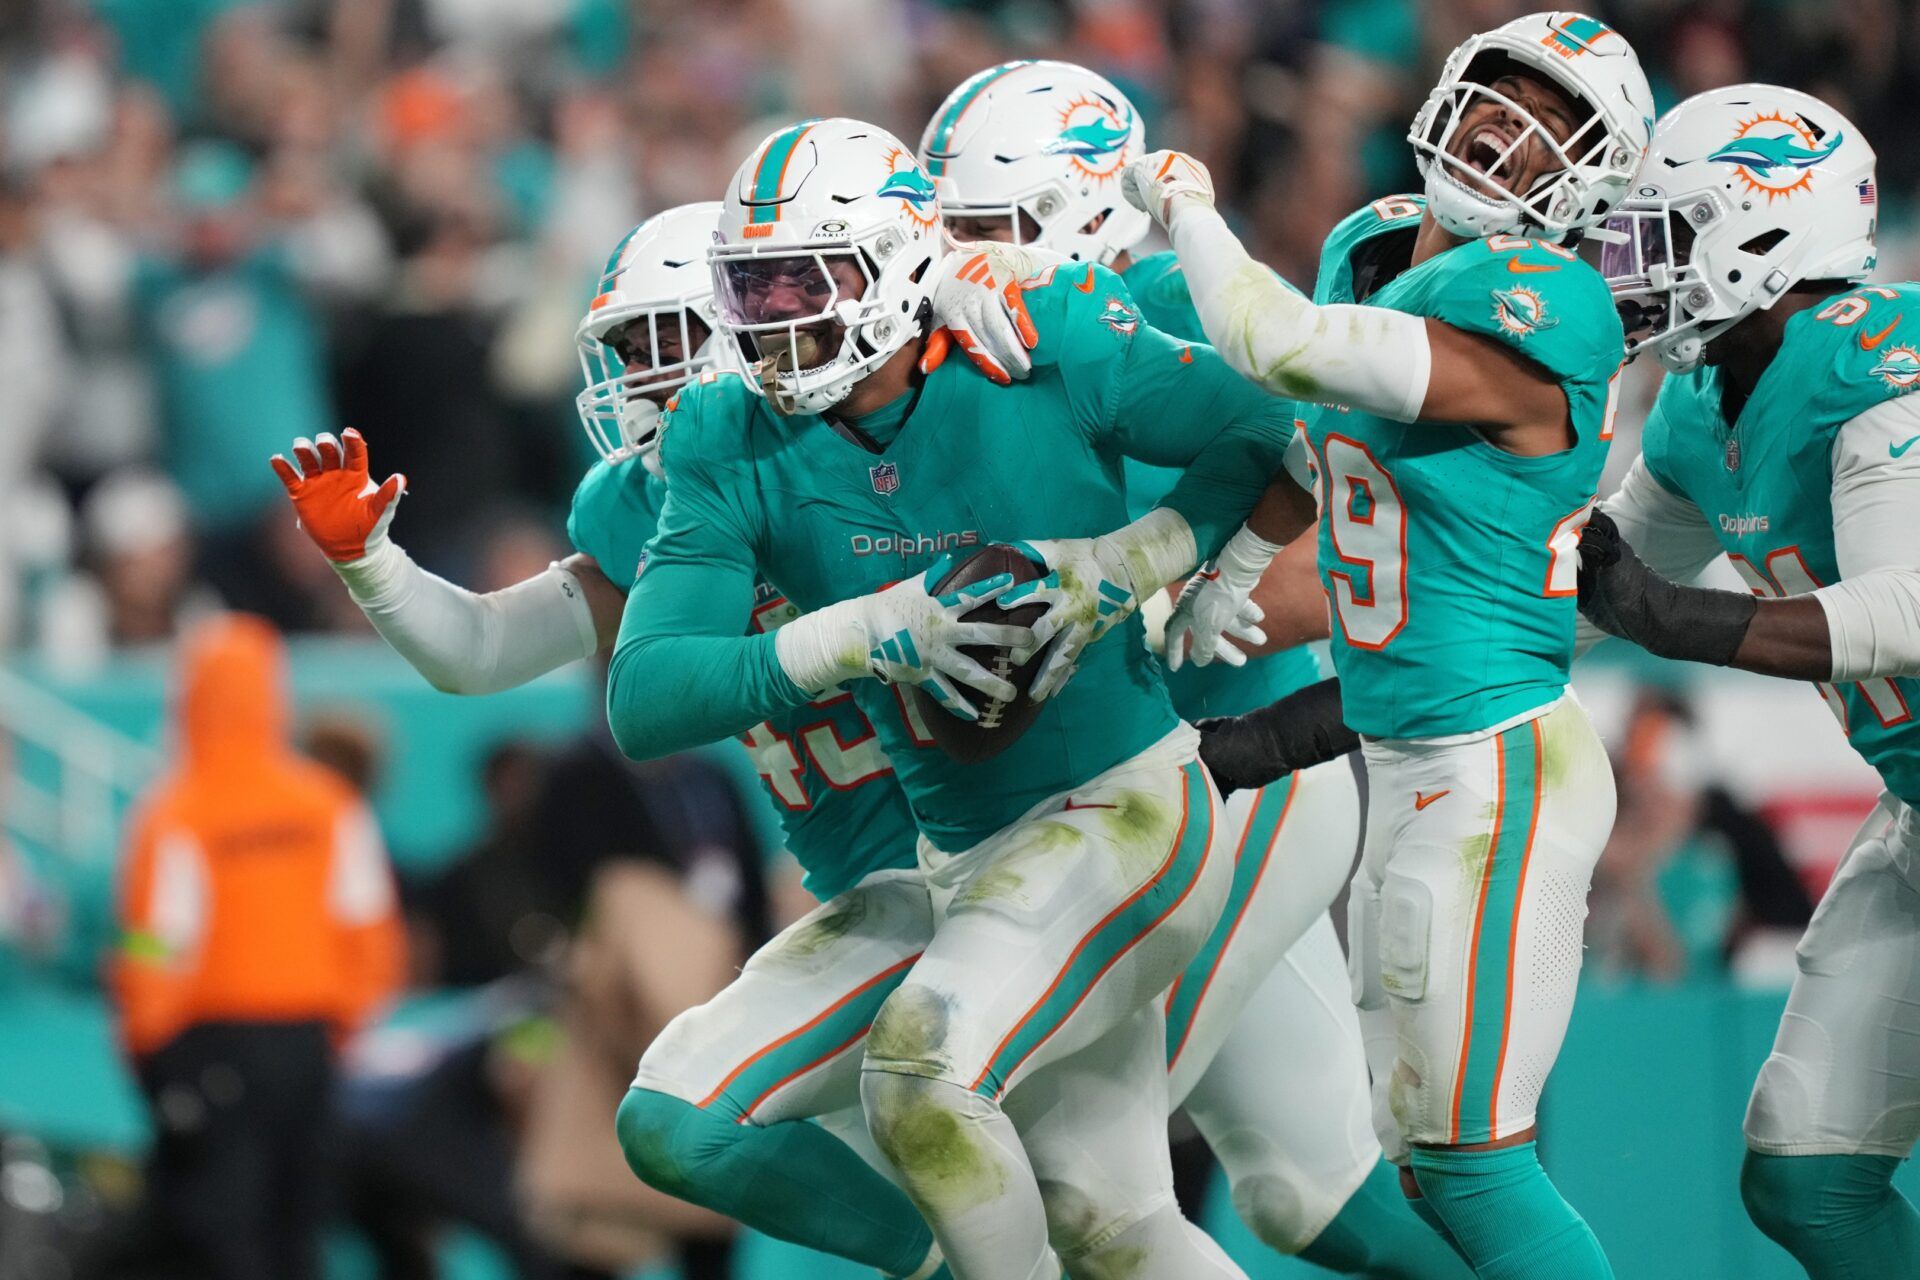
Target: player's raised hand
{"points": [[915, 636], [1088, 590], [339, 506], [1159, 179], [978, 307]]}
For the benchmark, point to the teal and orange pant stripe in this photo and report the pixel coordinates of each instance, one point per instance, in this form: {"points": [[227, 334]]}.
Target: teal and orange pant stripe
{"points": [[1250, 861], [1487, 1015], [1118, 932], [808, 1047]]}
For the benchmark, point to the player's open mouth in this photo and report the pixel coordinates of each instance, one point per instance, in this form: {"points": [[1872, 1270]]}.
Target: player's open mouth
{"points": [[1485, 148]]}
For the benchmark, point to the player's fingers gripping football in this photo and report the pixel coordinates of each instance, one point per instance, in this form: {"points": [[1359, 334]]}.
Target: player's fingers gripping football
{"points": [[1209, 616], [978, 302], [916, 638], [1088, 590], [1159, 179], [334, 497]]}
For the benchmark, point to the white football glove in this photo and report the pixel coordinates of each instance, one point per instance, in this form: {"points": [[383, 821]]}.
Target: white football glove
{"points": [[906, 635], [1158, 179], [1088, 591], [1216, 606], [977, 306]]}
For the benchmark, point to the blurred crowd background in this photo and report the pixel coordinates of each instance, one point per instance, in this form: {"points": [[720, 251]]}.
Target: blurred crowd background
{"points": [[225, 224]]}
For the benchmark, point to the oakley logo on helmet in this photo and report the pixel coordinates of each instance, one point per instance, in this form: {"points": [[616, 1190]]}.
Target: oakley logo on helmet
{"points": [[1773, 151], [1572, 34]]}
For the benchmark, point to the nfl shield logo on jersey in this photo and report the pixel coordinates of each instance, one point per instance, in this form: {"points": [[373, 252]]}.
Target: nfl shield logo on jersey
{"points": [[886, 477]]}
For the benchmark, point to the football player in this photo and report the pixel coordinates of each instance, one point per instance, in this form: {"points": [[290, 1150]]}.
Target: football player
{"points": [[1783, 436], [647, 333], [1466, 359], [1030, 154], [1072, 875]]}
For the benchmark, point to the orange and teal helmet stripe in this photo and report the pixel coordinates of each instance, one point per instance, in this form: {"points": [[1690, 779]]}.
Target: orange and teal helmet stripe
{"points": [[940, 141], [613, 259], [771, 172]]}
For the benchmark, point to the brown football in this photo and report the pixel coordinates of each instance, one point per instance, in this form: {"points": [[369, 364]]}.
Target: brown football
{"points": [[971, 741]]}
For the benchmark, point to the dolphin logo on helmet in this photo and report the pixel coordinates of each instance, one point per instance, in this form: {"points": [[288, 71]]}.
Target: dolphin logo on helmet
{"points": [[1764, 155], [1100, 136], [1040, 145], [1687, 257], [910, 185]]}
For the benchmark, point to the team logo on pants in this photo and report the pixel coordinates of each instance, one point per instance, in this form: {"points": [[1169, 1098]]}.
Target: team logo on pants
{"points": [[886, 477]]}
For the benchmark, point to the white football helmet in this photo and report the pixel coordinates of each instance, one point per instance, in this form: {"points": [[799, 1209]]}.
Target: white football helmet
{"points": [[824, 259], [1747, 191], [1592, 63], [647, 331], [1043, 139]]}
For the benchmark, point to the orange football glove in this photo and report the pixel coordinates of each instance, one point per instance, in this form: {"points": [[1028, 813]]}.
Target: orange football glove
{"points": [[983, 317], [339, 506]]}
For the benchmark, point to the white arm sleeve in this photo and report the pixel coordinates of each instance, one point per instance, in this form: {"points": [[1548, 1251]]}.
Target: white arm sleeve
{"points": [[1668, 532], [1873, 612], [1370, 358], [467, 643]]}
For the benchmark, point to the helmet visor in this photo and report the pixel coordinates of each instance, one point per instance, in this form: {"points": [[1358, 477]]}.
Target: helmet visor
{"points": [[793, 289], [1644, 257]]}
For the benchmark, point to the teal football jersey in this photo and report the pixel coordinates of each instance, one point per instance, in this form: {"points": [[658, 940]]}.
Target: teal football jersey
{"points": [[1160, 287], [792, 500], [1452, 564], [843, 814], [1765, 484]]}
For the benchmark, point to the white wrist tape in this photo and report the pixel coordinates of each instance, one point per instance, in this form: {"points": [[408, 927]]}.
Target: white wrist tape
{"points": [[824, 648], [1244, 560], [1873, 624], [467, 643], [1369, 358], [1158, 548]]}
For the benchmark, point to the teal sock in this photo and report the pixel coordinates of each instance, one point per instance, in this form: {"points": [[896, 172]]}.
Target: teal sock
{"points": [[1423, 1209], [1378, 1234], [793, 1181], [1509, 1221], [1839, 1216]]}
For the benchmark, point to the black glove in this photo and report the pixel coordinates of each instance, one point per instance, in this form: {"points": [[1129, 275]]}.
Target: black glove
{"points": [[1624, 598], [1303, 729]]}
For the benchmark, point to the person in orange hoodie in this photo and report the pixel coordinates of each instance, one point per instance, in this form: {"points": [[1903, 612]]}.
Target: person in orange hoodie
{"points": [[259, 930]]}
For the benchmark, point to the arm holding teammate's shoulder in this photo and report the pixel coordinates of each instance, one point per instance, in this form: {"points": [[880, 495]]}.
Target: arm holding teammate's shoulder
{"points": [[461, 641], [1670, 533]]}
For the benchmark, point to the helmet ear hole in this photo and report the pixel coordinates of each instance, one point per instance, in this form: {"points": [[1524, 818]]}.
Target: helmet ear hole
{"points": [[1764, 243]]}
